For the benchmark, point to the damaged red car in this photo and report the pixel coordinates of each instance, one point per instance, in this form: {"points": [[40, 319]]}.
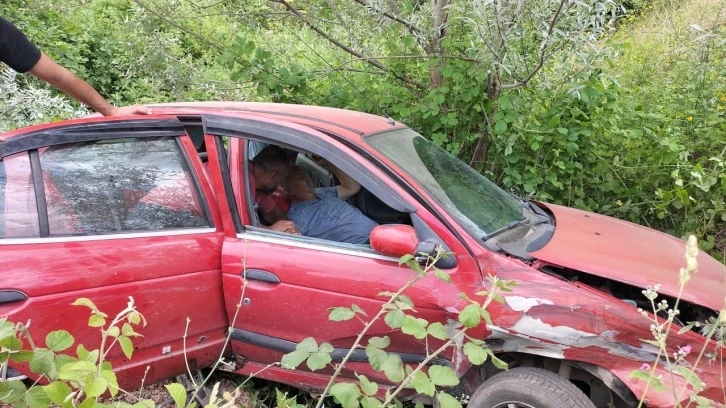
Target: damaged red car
{"points": [[159, 208]]}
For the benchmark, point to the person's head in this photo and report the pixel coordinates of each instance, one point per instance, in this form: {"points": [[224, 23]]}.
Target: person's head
{"points": [[269, 168], [299, 185]]}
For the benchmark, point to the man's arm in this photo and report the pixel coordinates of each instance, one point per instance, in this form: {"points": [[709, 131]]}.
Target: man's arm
{"points": [[66, 81], [348, 187]]}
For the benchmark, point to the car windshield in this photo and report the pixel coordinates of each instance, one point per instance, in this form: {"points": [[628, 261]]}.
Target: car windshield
{"points": [[477, 203]]}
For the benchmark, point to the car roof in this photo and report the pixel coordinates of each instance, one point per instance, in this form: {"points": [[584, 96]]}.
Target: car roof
{"points": [[357, 124]]}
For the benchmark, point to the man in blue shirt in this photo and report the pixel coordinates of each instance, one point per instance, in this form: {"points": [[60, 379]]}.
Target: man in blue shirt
{"points": [[322, 212]]}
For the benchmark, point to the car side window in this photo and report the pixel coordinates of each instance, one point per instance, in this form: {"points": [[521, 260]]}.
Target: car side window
{"points": [[120, 185], [18, 209]]}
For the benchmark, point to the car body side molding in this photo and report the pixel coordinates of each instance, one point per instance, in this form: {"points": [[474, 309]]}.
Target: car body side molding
{"points": [[359, 355]]}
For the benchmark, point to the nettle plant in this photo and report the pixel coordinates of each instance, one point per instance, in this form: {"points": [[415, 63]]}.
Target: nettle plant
{"points": [[674, 362], [396, 314]]}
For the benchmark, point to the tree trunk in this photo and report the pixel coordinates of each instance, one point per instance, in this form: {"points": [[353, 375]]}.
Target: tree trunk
{"points": [[484, 140], [440, 30]]}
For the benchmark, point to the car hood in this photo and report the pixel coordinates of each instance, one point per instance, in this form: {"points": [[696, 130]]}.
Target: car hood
{"points": [[632, 254]]}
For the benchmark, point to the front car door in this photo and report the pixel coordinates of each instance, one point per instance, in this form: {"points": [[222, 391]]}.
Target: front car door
{"points": [[110, 209], [293, 281]]}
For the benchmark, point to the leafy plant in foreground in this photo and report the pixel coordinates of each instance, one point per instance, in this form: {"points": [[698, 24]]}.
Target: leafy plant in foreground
{"points": [[674, 362], [396, 312]]}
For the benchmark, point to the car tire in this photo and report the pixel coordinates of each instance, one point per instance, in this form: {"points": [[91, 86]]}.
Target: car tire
{"points": [[528, 387]]}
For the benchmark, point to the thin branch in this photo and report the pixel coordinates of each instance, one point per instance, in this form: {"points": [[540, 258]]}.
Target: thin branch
{"points": [[353, 38], [411, 27], [411, 82], [395, 57], [178, 26], [542, 54]]}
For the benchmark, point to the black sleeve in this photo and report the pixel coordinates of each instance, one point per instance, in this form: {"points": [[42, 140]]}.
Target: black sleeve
{"points": [[15, 48]]}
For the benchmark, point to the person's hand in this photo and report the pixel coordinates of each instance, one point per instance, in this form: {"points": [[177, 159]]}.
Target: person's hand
{"points": [[2, 139], [131, 110], [285, 226]]}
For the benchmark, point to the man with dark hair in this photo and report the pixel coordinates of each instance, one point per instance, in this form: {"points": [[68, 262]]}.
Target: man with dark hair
{"points": [[22, 56], [266, 172], [322, 212]]}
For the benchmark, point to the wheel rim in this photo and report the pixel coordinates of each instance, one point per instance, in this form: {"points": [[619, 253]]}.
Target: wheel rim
{"points": [[513, 404]]}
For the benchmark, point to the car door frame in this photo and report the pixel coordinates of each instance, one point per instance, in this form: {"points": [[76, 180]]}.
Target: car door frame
{"points": [[306, 138], [173, 358]]}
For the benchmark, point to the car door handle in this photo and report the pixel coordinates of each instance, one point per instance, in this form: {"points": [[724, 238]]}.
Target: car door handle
{"points": [[11, 296], [261, 276]]}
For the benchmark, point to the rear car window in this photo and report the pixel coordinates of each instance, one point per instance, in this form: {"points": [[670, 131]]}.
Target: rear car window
{"points": [[120, 185], [18, 210]]}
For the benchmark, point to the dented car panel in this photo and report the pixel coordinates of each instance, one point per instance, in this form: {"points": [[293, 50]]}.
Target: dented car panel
{"points": [[630, 253], [575, 306]]}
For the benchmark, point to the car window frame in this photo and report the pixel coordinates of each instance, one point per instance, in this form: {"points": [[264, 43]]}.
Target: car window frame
{"points": [[285, 136], [90, 130]]}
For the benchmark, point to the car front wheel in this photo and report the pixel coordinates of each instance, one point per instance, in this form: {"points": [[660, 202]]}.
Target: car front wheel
{"points": [[528, 387]]}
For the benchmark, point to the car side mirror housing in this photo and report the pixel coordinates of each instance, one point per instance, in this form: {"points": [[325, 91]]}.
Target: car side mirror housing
{"points": [[397, 240], [394, 240]]}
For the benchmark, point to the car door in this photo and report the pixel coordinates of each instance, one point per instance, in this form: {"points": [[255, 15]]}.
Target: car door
{"points": [[293, 281], [109, 209]]}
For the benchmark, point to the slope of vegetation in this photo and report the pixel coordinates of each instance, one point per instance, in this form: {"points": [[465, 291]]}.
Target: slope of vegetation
{"points": [[584, 105]]}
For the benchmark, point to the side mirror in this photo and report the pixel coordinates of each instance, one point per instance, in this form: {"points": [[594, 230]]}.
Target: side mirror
{"points": [[394, 240], [397, 240]]}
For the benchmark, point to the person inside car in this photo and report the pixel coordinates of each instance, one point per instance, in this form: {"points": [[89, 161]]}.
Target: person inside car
{"points": [[279, 196], [322, 212], [267, 170]]}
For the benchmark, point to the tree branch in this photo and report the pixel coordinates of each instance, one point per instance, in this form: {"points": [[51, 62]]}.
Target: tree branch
{"points": [[353, 38], [543, 53], [408, 81], [414, 30], [178, 26]]}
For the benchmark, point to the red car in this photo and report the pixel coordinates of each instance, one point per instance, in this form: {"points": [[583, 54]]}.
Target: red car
{"points": [[158, 207]]}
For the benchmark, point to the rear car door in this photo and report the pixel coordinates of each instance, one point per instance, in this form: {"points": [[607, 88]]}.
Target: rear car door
{"points": [[108, 209], [293, 281]]}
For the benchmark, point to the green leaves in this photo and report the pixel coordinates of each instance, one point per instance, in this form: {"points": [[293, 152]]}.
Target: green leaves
{"points": [[57, 391], [368, 387], [94, 386], [58, 340], [415, 327], [655, 383], [12, 391], [338, 314], [392, 367], [423, 384], [42, 362], [437, 330], [317, 357], [690, 376], [443, 376], [111, 381], [37, 398], [374, 351], [476, 354], [318, 360], [85, 302], [447, 401], [178, 393], [96, 321], [346, 394], [126, 345], [394, 318], [470, 316]]}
